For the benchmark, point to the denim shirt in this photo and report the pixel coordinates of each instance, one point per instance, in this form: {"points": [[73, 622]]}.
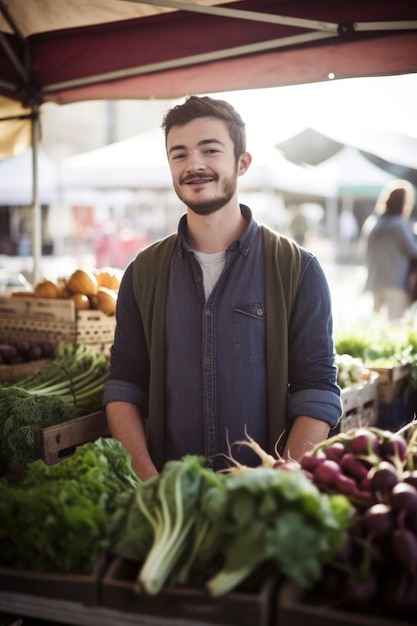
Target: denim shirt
{"points": [[215, 387]]}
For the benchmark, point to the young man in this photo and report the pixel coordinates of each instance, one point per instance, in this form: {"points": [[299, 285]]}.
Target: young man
{"points": [[223, 329]]}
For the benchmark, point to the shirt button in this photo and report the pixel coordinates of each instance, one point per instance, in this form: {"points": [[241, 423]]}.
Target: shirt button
{"points": [[199, 279], [259, 312], [207, 361], [207, 312]]}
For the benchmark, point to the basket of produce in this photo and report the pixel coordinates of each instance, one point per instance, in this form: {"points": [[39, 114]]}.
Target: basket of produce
{"points": [[19, 359], [67, 387], [77, 310], [359, 392], [54, 525]]}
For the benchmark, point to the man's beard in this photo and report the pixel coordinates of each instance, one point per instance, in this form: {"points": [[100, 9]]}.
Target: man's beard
{"points": [[206, 207]]}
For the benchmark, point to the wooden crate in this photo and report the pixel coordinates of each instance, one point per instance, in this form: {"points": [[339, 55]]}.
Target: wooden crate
{"points": [[294, 610], [83, 588], [393, 381], [38, 319], [360, 404], [13, 373], [56, 442], [187, 605]]}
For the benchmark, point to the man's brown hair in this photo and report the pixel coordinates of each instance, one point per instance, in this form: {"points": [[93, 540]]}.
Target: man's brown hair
{"points": [[204, 106]]}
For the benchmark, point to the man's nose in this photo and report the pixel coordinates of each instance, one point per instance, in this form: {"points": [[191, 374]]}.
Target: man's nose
{"points": [[195, 162]]}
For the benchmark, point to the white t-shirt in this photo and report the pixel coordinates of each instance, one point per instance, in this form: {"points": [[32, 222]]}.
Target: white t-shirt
{"points": [[212, 265]]}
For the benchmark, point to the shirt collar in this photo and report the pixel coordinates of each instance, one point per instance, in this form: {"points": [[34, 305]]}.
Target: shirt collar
{"points": [[243, 243]]}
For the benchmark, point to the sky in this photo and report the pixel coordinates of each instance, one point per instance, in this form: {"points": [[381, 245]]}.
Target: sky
{"points": [[378, 103]]}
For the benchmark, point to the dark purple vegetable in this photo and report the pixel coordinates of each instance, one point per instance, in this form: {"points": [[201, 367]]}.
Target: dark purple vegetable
{"points": [[353, 466], [361, 593], [310, 461], [382, 478], [404, 549], [364, 442], [393, 445], [345, 485], [22, 346], [410, 478], [327, 473], [400, 594], [8, 352], [335, 451], [379, 521], [34, 353]]}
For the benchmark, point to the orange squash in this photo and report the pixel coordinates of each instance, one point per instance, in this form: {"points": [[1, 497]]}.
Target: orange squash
{"points": [[105, 300], [108, 277], [81, 301], [82, 281], [47, 289]]}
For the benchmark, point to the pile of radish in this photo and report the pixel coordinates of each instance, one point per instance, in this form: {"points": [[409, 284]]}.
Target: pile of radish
{"points": [[377, 471], [23, 351]]}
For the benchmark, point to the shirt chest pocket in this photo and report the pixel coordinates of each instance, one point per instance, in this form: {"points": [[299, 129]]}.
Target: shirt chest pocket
{"points": [[249, 331]]}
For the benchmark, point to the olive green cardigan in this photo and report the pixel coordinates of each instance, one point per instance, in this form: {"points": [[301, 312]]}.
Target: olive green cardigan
{"points": [[282, 272]]}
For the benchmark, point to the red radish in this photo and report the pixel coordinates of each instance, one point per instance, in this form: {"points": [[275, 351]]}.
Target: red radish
{"points": [[327, 473], [404, 549], [383, 477], [353, 467], [400, 594], [360, 593], [345, 485], [379, 521], [393, 445], [364, 442], [335, 451], [310, 461], [410, 478]]}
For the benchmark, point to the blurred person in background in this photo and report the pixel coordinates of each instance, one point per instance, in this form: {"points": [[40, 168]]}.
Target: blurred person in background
{"points": [[391, 249]]}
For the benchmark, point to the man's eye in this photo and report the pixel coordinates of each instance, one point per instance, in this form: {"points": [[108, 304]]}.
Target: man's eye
{"points": [[176, 157], [211, 151]]}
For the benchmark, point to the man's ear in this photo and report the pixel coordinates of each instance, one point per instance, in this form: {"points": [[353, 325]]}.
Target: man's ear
{"points": [[244, 162]]}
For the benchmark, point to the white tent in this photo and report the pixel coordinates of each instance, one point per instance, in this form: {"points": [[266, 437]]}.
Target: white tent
{"points": [[140, 162], [16, 180]]}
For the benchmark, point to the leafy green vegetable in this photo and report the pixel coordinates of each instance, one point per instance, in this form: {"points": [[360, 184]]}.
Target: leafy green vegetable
{"points": [[58, 518], [69, 386], [291, 524], [191, 526], [172, 515]]}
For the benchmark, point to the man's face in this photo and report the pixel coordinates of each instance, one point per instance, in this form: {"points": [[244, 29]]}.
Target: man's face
{"points": [[203, 165]]}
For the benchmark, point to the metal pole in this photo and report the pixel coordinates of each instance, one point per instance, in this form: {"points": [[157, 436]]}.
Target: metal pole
{"points": [[36, 208]]}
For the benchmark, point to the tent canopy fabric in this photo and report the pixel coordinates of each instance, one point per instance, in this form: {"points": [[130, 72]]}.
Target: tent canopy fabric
{"points": [[66, 51], [71, 50], [392, 153]]}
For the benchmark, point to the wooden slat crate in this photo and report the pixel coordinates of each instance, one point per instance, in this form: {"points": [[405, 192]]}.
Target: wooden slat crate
{"points": [[38, 319], [360, 404], [82, 588], [393, 381], [58, 441], [294, 610], [13, 373], [189, 606]]}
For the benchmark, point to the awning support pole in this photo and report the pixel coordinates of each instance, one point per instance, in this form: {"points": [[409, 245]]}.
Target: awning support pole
{"points": [[36, 208]]}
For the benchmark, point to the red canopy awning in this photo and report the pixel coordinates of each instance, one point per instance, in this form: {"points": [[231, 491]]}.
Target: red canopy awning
{"points": [[69, 50]]}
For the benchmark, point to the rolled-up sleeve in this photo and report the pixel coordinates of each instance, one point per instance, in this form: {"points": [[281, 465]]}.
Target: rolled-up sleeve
{"points": [[128, 379], [313, 389]]}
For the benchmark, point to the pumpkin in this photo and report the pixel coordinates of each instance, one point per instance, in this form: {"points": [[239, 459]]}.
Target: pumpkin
{"points": [[108, 277], [105, 300], [81, 301], [47, 289], [82, 281]]}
